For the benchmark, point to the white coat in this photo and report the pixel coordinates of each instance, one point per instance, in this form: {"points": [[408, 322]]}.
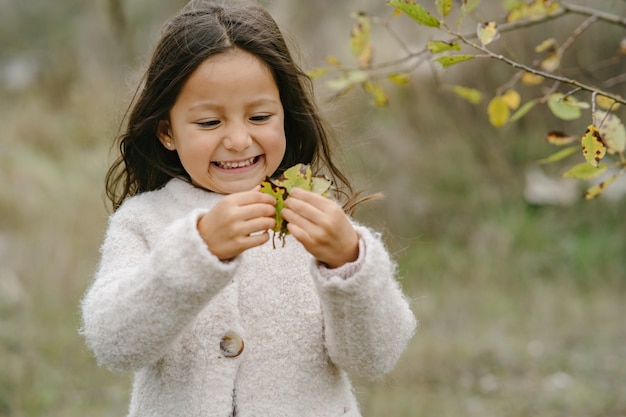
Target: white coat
{"points": [[270, 333]]}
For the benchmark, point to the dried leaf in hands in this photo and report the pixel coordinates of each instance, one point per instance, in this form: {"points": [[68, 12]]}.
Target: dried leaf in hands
{"points": [[298, 176]]}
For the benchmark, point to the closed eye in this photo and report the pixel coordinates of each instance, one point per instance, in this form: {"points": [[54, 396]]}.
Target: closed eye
{"points": [[209, 123], [260, 118]]}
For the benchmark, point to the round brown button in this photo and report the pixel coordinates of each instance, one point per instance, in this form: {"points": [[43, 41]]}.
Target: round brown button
{"points": [[231, 345]]}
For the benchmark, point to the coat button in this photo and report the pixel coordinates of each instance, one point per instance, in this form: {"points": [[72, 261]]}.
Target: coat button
{"points": [[231, 345]]}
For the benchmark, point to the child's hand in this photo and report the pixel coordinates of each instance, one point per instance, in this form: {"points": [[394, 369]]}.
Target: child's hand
{"points": [[238, 222], [322, 227]]}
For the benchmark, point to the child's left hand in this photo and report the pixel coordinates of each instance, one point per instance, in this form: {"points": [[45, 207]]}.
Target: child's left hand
{"points": [[322, 227]]}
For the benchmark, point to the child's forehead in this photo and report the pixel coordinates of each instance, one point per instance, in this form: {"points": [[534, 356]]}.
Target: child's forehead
{"points": [[232, 59]]}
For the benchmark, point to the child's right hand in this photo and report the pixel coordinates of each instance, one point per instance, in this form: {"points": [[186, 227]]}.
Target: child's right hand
{"points": [[238, 222]]}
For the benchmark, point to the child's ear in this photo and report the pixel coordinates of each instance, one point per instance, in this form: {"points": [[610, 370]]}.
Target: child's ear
{"points": [[164, 132]]}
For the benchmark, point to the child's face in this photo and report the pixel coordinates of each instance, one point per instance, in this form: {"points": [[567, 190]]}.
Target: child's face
{"points": [[227, 123]]}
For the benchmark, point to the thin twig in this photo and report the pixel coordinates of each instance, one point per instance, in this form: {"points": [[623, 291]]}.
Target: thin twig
{"points": [[576, 33]]}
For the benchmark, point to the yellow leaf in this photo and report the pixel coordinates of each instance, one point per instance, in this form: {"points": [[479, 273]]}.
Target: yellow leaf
{"points": [[607, 103], [533, 11], [551, 62], [400, 79], [512, 99], [396, 13], [487, 32], [377, 93], [559, 138], [529, 78], [597, 189], [334, 61], [593, 146], [498, 111], [443, 7], [317, 72], [516, 14], [540, 9], [549, 43], [360, 39], [470, 94]]}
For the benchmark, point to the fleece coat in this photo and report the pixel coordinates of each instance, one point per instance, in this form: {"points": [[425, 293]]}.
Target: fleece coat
{"points": [[161, 305]]}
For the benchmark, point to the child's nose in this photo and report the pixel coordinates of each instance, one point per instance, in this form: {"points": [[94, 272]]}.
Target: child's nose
{"points": [[237, 139]]}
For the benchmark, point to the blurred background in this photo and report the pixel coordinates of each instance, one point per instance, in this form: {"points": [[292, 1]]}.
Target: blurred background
{"points": [[521, 304]]}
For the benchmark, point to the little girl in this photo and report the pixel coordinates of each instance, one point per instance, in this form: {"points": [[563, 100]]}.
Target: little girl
{"points": [[189, 292]]}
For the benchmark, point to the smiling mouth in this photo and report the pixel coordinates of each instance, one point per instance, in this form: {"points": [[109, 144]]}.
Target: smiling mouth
{"points": [[236, 164]]}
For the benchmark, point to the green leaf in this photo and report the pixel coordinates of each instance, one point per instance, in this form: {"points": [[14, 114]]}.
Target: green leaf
{"points": [[347, 80], [564, 108], [521, 112], [320, 185], [470, 94], [593, 146], [444, 7], [416, 11], [498, 111], [560, 155], [436, 47], [446, 61], [584, 171], [469, 6], [280, 194]]}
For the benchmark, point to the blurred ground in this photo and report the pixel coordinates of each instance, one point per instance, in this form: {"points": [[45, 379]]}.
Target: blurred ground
{"points": [[521, 305]]}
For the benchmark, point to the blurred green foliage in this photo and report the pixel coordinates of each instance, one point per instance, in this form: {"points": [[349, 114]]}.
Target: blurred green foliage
{"points": [[521, 306]]}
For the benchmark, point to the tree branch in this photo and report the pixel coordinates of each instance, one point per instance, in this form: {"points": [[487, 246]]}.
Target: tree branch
{"points": [[543, 74], [607, 17]]}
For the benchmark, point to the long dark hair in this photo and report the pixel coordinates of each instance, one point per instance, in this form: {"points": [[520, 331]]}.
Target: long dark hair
{"points": [[201, 30]]}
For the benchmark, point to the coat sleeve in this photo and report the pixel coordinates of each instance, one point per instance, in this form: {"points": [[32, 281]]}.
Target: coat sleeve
{"points": [[368, 320], [147, 290]]}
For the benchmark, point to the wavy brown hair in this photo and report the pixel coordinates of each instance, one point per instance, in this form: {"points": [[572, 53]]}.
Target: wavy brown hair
{"points": [[202, 30]]}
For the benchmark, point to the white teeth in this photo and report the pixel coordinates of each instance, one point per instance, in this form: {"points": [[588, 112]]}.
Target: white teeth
{"points": [[231, 165]]}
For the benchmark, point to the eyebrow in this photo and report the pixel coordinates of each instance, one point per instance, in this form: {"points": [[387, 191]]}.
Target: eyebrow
{"points": [[256, 102]]}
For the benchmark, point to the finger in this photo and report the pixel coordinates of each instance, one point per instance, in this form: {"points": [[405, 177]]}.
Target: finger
{"points": [[303, 208], [252, 226], [251, 197], [247, 242], [256, 210], [308, 196], [257, 239]]}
